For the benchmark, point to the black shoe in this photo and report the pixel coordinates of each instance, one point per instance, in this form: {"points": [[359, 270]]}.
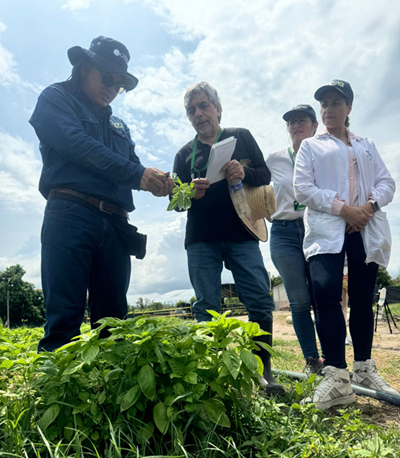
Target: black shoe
{"points": [[313, 366], [268, 382]]}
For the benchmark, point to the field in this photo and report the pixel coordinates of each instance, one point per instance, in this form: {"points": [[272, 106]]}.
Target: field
{"points": [[166, 387]]}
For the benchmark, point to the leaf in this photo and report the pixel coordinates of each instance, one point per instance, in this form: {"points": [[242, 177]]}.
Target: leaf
{"points": [[177, 367], [191, 378], [252, 329], [225, 342], [179, 389], [145, 433], [216, 412], [49, 416], [160, 417], [172, 204], [75, 367], [83, 396], [112, 375], [90, 353], [130, 397], [7, 364], [232, 361], [249, 359], [199, 390], [246, 388], [161, 359], [102, 398], [147, 381], [217, 388]]}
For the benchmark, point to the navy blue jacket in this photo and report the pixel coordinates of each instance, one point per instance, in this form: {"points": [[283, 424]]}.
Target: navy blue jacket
{"points": [[85, 150]]}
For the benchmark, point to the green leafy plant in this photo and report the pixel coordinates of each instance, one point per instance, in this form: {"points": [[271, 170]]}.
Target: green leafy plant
{"points": [[165, 382], [166, 387], [181, 194]]}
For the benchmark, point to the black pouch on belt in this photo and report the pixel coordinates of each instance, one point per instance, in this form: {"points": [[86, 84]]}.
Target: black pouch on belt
{"points": [[134, 240]]}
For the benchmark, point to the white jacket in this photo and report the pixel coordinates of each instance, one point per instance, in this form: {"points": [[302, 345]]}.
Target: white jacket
{"points": [[322, 174]]}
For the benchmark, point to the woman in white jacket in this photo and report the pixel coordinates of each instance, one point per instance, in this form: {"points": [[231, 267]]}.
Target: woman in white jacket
{"points": [[343, 182]]}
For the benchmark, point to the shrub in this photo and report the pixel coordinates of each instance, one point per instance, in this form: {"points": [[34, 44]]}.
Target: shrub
{"points": [[164, 382]]}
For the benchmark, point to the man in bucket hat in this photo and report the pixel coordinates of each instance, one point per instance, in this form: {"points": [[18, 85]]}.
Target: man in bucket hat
{"points": [[214, 232], [89, 169]]}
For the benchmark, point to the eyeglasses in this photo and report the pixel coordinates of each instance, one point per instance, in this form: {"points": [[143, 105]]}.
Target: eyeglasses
{"points": [[300, 121], [109, 81]]}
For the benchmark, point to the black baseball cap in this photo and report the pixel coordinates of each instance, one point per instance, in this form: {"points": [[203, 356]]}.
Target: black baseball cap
{"points": [[338, 85], [108, 56], [307, 109]]}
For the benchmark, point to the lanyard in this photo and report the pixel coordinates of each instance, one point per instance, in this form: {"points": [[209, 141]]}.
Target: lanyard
{"points": [[291, 155], [193, 169]]}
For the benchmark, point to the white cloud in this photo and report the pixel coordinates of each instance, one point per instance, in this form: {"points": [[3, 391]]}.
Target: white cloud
{"points": [[74, 5], [265, 57], [19, 175], [9, 77], [30, 264], [7, 63], [164, 267]]}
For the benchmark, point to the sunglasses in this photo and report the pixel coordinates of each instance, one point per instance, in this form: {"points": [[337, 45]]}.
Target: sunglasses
{"points": [[109, 81]]}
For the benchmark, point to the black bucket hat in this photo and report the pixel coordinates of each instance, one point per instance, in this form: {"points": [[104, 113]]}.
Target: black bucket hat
{"points": [[108, 56], [307, 109], [338, 85]]}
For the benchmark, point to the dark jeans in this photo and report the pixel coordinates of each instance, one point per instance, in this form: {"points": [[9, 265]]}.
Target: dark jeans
{"points": [[80, 252], [327, 276], [205, 261], [286, 248]]}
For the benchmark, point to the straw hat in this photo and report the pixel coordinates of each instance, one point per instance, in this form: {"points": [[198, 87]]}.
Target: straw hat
{"points": [[262, 203]]}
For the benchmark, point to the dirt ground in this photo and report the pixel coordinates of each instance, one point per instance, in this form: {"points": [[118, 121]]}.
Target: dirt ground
{"points": [[385, 351]]}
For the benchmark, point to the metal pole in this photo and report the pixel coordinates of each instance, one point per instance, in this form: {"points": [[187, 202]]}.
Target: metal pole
{"points": [[8, 305]]}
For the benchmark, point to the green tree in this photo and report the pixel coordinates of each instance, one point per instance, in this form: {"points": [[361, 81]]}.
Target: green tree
{"points": [[232, 301], [143, 304], [396, 281], [26, 303], [156, 306], [275, 281], [383, 278]]}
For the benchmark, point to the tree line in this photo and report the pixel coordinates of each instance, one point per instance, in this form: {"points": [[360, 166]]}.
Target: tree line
{"points": [[27, 306]]}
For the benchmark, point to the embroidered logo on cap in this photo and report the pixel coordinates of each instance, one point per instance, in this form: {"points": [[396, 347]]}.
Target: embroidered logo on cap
{"points": [[118, 53], [337, 83]]}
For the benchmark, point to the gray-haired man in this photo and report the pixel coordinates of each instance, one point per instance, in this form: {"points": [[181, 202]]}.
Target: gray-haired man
{"points": [[214, 231]]}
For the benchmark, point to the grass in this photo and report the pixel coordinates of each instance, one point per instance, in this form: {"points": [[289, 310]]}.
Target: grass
{"points": [[395, 309]]}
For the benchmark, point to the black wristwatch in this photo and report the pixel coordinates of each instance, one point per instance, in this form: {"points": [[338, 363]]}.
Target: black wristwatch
{"points": [[375, 205]]}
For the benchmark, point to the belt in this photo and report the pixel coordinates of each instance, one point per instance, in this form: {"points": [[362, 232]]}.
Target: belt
{"points": [[102, 205]]}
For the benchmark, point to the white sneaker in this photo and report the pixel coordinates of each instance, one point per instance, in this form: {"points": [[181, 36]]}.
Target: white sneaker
{"points": [[334, 390], [365, 374]]}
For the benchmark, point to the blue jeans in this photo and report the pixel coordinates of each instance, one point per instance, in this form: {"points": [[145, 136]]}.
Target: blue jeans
{"points": [[80, 251], [286, 248], [327, 277], [205, 260]]}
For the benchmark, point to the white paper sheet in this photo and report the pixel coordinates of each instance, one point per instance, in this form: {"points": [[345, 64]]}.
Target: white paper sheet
{"points": [[220, 154]]}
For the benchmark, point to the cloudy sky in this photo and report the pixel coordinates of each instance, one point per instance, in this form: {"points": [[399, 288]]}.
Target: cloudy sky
{"points": [[263, 57]]}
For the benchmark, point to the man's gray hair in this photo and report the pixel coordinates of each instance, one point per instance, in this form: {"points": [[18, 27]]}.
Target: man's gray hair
{"points": [[207, 89]]}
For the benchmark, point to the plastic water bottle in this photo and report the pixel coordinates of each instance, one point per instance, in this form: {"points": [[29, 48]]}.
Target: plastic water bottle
{"points": [[239, 197]]}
